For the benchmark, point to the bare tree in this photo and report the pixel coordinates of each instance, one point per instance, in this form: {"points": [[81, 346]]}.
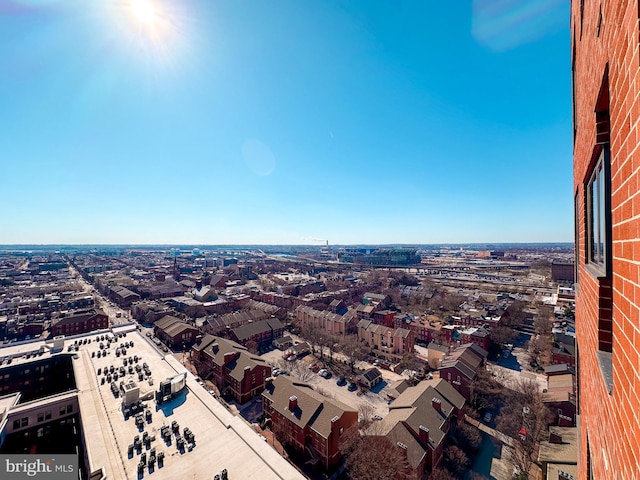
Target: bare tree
{"points": [[301, 370], [456, 460], [353, 351], [390, 460], [525, 419], [252, 346], [365, 414]]}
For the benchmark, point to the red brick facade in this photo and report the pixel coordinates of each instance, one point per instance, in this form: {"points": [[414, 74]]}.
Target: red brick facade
{"points": [[606, 71]]}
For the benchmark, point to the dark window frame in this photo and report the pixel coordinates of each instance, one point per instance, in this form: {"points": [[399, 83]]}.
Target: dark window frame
{"points": [[598, 242]]}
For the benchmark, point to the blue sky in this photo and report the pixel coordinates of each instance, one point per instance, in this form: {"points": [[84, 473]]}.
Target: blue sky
{"points": [[285, 121]]}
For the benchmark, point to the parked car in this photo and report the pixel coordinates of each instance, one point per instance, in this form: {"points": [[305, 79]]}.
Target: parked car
{"points": [[341, 382], [352, 387], [314, 368], [322, 372], [377, 417]]}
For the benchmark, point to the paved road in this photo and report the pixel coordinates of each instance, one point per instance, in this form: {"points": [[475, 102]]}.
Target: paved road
{"points": [[103, 303]]}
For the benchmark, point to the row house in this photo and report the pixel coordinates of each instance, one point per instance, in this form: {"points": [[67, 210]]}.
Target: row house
{"points": [[175, 332], [364, 312], [80, 321], [123, 296], [385, 342], [263, 333], [149, 312], [418, 423], [233, 369], [425, 330], [560, 394], [384, 317], [306, 421], [376, 299], [460, 367], [476, 335], [328, 322]]}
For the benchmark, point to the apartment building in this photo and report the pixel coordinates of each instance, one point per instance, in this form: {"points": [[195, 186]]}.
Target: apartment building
{"points": [[606, 110], [307, 421], [419, 421], [80, 321], [385, 342], [231, 367]]}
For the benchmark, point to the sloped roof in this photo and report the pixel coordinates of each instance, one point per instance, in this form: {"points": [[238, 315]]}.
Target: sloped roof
{"points": [[244, 332], [371, 374], [312, 409], [413, 409], [79, 317], [166, 322], [241, 360]]}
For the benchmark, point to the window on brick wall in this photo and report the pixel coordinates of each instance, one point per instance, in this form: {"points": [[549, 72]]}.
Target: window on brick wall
{"points": [[598, 254], [576, 239], [599, 215]]}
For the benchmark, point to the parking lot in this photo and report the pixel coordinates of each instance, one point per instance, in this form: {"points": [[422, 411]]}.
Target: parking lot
{"points": [[329, 387]]}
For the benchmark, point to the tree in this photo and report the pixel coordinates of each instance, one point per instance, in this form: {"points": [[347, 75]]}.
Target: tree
{"points": [[390, 460], [468, 437], [252, 346], [543, 322], [441, 474], [515, 315], [365, 413], [301, 370], [525, 419], [502, 334], [456, 460], [353, 351]]}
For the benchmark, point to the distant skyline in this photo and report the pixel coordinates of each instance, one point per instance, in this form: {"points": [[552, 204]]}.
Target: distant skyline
{"points": [[285, 122]]}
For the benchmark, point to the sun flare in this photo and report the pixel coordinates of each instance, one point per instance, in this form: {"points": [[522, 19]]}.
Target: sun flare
{"points": [[144, 10]]}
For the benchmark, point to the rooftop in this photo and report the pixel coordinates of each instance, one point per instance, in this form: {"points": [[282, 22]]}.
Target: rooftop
{"points": [[237, 447]]}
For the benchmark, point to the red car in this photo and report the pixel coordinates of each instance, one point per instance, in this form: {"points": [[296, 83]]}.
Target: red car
{"points": [[314, 368]]}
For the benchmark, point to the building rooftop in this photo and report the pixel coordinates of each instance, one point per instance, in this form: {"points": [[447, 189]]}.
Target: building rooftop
{"points": [[237, 447], [565, 451]]}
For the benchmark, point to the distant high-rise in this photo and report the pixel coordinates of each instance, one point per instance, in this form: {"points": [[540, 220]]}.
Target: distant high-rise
{"points": [[606, 108]]}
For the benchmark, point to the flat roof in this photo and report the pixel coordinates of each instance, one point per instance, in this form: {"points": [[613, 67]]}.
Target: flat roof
{"points": [[222, 440]]}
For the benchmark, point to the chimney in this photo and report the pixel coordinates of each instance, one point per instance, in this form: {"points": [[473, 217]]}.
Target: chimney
{"points": [[555, 437], [229, 356], [436, 403], [423, 434], [293, 403], [215, 347], [268, 381]]}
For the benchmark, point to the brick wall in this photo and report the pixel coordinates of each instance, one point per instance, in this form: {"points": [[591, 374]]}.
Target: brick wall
{"points": [[605, 38]]}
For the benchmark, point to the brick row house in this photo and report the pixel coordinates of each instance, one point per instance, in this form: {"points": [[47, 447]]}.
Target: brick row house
{"points": [[263, 333], [419, 421], [175, 332], [233, 369], [460, 367], [80, 321], [307, 421]]}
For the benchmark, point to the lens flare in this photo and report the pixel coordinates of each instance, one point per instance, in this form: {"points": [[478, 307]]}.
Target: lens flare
{"points": [[144, 10]]}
